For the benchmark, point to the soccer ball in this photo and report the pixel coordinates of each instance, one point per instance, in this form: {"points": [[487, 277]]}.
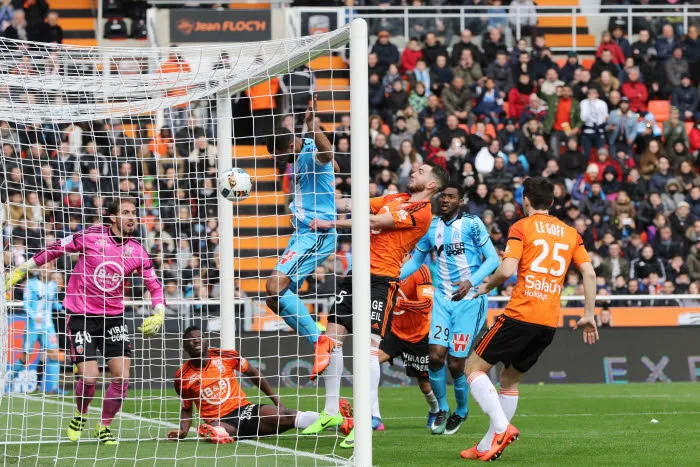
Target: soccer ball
{"points": [[235, 184]]}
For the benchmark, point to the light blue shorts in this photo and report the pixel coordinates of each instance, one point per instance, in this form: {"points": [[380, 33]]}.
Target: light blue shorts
{"points": [[455, 324], [306, 250]]}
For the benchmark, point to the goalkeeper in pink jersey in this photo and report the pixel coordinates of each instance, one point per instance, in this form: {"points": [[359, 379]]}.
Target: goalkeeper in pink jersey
{"points": [[94, 306]]}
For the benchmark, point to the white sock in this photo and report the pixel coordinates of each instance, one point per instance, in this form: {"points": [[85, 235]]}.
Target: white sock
{"points": [[332, 377], [305, 419], [375, 375], [432, 402], [509, 402], [486, 396]]}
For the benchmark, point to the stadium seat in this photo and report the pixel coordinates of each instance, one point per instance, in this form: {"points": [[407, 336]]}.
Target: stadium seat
{"points": [[661, 110], [587, 63], [561, 62]]}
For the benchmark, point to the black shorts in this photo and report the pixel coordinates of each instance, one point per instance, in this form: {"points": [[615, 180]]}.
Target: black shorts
{"points": [[382, 300], [415, 355], [87, 334], [245, 419], [514, 343]]}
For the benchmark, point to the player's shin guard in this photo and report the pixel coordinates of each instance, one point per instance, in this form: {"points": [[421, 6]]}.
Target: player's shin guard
{"points": [[83, 395], [331, 377], [52, 369], [115, 395], [297, 316], [305, 419], [438, 383], [486, 396], [462, 395], [375, 375], [509, 402]]}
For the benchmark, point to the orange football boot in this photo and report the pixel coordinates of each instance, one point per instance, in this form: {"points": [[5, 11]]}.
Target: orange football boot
{"points": [[472, 453], [499, 443], [322, 355], [214, 434], [346, 411]]}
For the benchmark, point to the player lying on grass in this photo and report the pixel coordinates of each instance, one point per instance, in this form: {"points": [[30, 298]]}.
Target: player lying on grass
{"points": [[94, 306], [208, 381], [397, 222], [40, 300], [408, 339], [465, 255], [540, 249]]}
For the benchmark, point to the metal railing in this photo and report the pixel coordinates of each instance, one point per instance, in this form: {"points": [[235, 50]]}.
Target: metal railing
{"points": [[456, 18]]}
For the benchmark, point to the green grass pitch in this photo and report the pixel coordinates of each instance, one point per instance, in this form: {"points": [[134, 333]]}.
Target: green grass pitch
{"points": [[559, 424]]}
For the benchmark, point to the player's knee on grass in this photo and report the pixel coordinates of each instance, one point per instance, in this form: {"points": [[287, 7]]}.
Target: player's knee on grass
{"points": [[456, 366], [510, 378], [437, 357]]}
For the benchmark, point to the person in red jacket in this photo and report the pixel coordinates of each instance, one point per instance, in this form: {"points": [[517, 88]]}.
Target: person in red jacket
{"points": [[635, 91], [694, 137], [519, 96], [411, 55], [606, 43]]}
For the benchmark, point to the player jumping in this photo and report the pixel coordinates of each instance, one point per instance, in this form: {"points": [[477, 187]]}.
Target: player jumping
{"points": [[397, 223], [40, 300], [465, 255], [94, 306], [540, 249], [408, 337], [314, 198], [208, 380]]}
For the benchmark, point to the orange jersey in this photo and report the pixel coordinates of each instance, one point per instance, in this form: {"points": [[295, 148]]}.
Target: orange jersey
{"points": [[214, 389], [545, 247], [411, 321], [388, 248]]}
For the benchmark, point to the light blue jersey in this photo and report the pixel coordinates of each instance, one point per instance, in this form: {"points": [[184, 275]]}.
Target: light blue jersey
{"points": [[460, 244], [40, 299], [314, 187]]}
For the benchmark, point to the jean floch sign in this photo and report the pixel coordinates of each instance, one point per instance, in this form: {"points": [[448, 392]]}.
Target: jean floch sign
{"points": [[206, 25]]}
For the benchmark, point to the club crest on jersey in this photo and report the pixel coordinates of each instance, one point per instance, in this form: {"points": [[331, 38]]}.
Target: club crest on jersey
{"points": [[128, 251], [288, 256], [460, 342], [79, 349]]}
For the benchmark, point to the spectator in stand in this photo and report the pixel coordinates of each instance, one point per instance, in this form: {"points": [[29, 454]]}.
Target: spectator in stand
{"points": [[661, 177], [397, 98], [694, 138], [468, 69], [551, 83], [605, 63], [567, 72], [441, 75], [686, 98], [457, 99], [618, 36], [676, 66], [682, 220], [421, 74], [392, 75], [422, 137], [435, 110], [646, 264], [382, 156], [563, 118], [622, 128], [410, 56], [674, 131], [665, 246], [581, 83], [538, 155], [501, 72], [594, 115], [535, 110], [18, 27], [519, 96], [50, 31], [607, 84], [607, 43], [523, 13], [644, 47], [418, 99], [432, 49], [489, 102], [614, 264], [666, 43], [691, 51], [572, 162], [6, 12], [636, 92], [509, 137], [399, 133], [492, 44], [387, 53], [374, 67], [484, 161], [464, 43], [451, 131], [543, 64], [376, 95]]}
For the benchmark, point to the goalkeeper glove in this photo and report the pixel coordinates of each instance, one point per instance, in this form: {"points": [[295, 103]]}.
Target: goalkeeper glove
{"points": [[152, 325], [14, 277]]}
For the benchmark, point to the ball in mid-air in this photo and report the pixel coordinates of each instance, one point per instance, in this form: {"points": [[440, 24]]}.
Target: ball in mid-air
{"points": [[235, 184]]}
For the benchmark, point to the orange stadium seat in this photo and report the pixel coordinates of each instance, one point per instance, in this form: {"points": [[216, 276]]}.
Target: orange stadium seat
{"points": [[661, 110]]}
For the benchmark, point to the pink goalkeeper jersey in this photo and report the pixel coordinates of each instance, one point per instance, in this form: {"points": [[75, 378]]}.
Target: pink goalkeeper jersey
{"points": [[96, 285]]}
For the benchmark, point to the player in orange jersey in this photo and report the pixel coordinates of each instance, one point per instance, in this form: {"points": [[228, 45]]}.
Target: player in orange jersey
{"points": [[408, 337], [397, 223], [208, 380], [540, 249]]}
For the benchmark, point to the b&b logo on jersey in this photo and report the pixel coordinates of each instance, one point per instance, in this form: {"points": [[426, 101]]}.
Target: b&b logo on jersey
{"points": [[108, 276], [460, 342], [217, 393]]}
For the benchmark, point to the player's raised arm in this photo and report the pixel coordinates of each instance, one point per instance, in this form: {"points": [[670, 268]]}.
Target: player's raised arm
{"points": [[152, 325], [70, 244], [325, 148], [259, 380], [490, 263], [417, 257], [422, 306]]}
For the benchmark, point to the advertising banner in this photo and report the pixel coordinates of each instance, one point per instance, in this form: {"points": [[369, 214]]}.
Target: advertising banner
{"points": [[207, 25]]}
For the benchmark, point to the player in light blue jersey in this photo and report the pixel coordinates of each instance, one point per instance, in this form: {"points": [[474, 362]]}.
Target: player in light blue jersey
{"points": [[314, 198], [465, 256], [40, 300]]}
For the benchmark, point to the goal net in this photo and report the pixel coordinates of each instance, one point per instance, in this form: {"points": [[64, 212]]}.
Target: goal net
{"points": [[81, 127]]}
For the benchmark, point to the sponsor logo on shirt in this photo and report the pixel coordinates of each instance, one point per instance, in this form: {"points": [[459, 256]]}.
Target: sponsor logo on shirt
{"points": [[217, 393], [108, 276], [128, 251]]}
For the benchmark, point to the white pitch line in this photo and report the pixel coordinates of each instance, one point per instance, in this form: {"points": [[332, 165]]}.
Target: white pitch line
{"points": [[129, 416], [538, 415]]}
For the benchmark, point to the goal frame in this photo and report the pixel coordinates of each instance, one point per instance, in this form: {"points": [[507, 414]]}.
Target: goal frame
{"points": [[359, 116]]}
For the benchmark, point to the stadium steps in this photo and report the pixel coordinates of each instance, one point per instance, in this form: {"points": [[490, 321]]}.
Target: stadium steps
{"points": [[557, 29], [77, 19]]}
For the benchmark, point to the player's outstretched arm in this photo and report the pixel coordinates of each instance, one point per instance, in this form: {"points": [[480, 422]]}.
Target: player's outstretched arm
{"points": [[185, 424], [325, 148], [260, 381], [413, 264], [487, 267], [505, 271], [587, 322]]}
